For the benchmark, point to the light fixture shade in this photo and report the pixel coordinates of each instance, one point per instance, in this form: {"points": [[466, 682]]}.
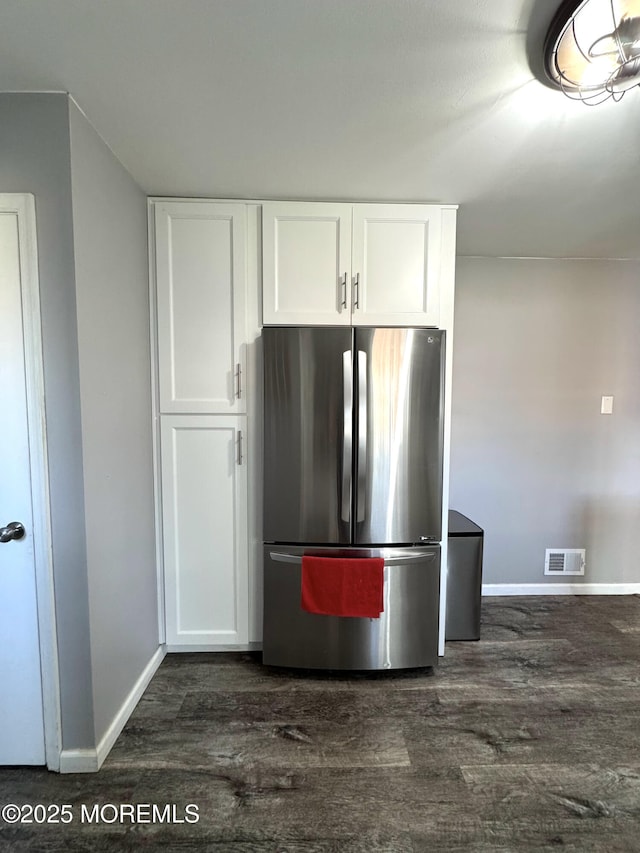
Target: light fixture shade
{"points": [[592, 49]]}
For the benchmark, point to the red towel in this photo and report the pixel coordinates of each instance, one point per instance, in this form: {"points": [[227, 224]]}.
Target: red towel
{"points": [[343, 586]]}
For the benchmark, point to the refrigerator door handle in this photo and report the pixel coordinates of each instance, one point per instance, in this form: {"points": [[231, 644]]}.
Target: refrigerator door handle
{"points": [[347, 436], [296, 559], [362, 435]]}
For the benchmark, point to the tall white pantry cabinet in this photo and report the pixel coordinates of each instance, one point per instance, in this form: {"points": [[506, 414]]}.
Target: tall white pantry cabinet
{"points": [[205, 326], [219, 270]]}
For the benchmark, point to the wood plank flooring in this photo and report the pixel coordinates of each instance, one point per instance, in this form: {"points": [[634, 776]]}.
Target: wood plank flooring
{"points": [[528, 740]]}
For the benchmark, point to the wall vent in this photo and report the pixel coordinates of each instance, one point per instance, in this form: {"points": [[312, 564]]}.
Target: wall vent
{"points": [[564, 561]]}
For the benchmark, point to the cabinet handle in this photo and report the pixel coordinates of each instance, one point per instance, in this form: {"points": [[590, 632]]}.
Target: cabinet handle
{"points": [[239, 447], [343, 285], [356, 290], [238, 381]]}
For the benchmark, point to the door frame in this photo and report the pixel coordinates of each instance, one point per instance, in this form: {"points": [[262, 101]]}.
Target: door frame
{"points": [[23, 205]]}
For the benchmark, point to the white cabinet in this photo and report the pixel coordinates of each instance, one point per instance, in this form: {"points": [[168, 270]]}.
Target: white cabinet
{"points": [[361, 264], [200, 268], [396, 265], [306, 263], [204, 521]]}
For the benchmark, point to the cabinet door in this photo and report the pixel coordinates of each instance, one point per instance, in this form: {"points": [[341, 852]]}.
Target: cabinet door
{"points": [[204, 517], [201, 292], [306, 251], [395, 267]]}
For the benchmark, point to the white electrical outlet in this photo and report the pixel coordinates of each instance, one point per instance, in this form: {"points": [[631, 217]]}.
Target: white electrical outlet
{"points": [[606, 407]]}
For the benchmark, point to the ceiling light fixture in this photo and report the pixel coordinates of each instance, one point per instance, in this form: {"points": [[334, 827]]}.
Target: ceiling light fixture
{"points": [[592, 49]]}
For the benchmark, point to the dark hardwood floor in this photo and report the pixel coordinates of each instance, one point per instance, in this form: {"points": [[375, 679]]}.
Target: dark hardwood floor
{"points": [[528, 740]]}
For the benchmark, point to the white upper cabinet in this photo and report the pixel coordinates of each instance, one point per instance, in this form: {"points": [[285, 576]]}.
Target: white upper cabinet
{"points": [[201, 281], [395, 265], [360, 264], [306, 263]]}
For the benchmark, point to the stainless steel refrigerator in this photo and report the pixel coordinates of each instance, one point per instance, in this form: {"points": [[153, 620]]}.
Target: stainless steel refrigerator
{"points": [[353, 468]]}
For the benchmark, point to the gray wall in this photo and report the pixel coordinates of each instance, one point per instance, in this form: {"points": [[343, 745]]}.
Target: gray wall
{"points": [[91, 224], [537, 343], [34, 158], [111, 265]]}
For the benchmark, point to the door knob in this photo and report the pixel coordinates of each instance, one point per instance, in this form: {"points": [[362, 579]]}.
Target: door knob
{"points": [[13, 530]]}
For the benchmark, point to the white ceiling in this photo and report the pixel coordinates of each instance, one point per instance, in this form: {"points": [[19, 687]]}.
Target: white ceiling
{"points": [[373, 100]]}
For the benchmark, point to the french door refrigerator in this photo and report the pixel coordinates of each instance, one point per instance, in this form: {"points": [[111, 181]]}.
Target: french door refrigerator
{"points": [[353, 468]]}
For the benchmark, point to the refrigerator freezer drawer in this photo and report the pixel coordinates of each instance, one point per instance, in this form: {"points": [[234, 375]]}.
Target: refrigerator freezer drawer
{"points": [[405, 635]]}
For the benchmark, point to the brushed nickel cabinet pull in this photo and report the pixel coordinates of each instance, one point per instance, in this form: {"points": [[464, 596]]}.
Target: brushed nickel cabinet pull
{"points": [[343, 286]]}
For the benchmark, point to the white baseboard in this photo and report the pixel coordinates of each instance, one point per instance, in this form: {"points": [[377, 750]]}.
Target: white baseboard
{"points": [[79, 761], [560, 589], [91, 760], [211, 647]]}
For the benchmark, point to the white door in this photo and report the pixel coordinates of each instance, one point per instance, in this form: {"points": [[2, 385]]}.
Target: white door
{"points": [[204, 517], [306, 263], [396, 264], [21, 698]]}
